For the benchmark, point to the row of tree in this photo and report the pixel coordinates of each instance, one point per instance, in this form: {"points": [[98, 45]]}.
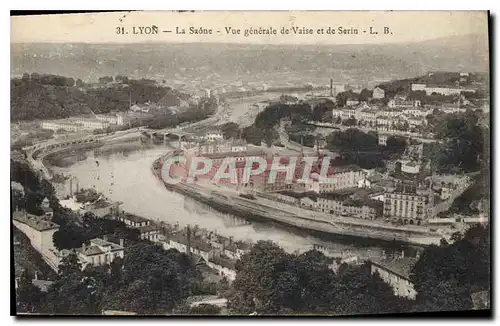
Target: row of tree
{"points": [[271, 281], [149, 280]]}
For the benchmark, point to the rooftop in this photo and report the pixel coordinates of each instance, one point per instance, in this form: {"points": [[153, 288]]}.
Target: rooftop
{"points": [[196, 242], [133, 218], [90, 251], [345, 168], [224, 262], [298, 195], [38, 223], [41, 283], [399, 266], [47, 209], [148, 228]]}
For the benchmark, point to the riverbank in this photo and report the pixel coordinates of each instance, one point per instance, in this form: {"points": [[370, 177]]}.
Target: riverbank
{"points": [[258, 211]]}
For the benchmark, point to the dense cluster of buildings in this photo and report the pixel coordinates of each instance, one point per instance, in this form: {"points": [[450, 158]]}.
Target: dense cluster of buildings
{"points": [[215, 251], [396, 116]]}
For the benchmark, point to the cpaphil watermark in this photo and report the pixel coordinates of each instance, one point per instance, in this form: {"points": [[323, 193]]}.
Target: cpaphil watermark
{"points": [[230, 170]]}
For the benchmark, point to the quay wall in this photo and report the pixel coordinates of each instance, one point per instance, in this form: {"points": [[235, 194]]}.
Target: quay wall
{"points": [[254, 211]]}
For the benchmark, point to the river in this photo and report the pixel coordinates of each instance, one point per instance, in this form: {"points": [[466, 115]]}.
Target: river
{"points": [[123, 173]]}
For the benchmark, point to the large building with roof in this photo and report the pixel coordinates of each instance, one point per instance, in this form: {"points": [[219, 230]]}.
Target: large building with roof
{"points": [[40, 231], [147, 230], [99, 252], [396, 273]]}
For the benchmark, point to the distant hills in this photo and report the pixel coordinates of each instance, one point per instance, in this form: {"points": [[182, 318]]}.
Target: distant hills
{"points": [[363, 62]]}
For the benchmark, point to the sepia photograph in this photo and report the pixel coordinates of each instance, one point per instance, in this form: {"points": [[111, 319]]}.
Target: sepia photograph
{"points": [[250, 163]]}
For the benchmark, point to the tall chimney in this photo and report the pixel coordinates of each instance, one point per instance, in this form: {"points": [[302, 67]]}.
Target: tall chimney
{"points": [[188, 240], [331, 87]]}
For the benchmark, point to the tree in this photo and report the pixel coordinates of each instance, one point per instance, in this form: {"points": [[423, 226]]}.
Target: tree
{"points": [[396, 144], [463, 141], [445, 275], [365, 95], [230, 130], [28, 296], [152, 280], [262, 281], [320, 110], [271, 281], [87, 195], [350, 122], [252, 135], [69, 265], [205, 310], [17, 194]]}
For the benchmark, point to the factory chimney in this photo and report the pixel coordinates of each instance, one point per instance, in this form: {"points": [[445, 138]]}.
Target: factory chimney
{"points": [[188, 240], [331, 87]]}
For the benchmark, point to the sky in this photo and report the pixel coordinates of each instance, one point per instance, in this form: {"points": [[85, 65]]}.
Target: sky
{"points": [[125, 27]]}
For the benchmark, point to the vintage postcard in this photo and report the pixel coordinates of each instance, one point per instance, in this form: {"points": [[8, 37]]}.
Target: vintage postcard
{"points": [[250, 163]]}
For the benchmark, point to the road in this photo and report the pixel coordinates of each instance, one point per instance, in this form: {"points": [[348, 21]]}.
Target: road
{"points": [[379, 131]]}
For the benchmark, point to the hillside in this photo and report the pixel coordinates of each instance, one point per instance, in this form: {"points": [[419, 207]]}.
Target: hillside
{"points": [[365, 62], [31, 99]]}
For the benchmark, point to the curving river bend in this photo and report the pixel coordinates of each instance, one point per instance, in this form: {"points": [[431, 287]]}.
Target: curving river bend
{"points": [[123, 173]]}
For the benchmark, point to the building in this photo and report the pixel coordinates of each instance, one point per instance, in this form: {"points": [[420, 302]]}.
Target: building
{"points": [[75, 124], [441, 90], [400, 103], [43, 285], [396, 273], [368, 116], [56, 126], [340, 177], [40, 231], [352, 102], [111, 119], [99, 252], [133, 221], [214, 135], [239, 146], [224, 266], [410, 167], [344, 206], [147, 230], [418, 87], [382, 140], [378, 93], [101, 208], [146, 107], [406, 208]]}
